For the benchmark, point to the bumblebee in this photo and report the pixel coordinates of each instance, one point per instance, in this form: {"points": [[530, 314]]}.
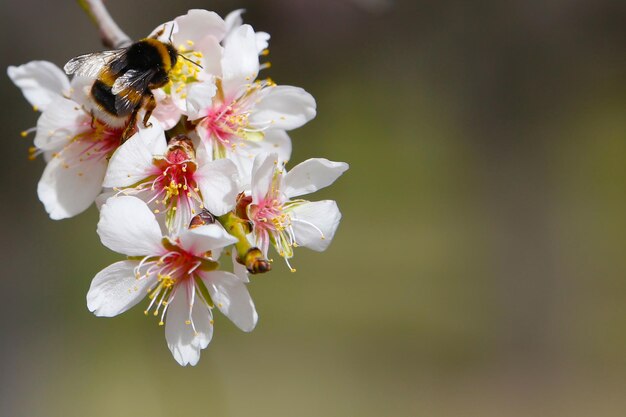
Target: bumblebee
{"points": [[124, 80]]}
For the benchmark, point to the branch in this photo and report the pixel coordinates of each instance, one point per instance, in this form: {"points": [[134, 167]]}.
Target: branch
{"points": [[111, 34]]}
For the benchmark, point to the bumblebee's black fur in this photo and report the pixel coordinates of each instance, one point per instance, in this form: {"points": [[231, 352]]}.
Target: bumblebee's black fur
{"points": [[125, 78]]}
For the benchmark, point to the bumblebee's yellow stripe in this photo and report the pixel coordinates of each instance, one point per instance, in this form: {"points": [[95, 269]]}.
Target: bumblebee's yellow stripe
{"points": [[107, 76], [160, 47]]}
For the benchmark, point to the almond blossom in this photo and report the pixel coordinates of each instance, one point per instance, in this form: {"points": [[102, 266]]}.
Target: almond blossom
{"points": [[196, 36], [40, 81], [75, 144], [175, 180], [241, 116], [287, 223], [178, 274]]}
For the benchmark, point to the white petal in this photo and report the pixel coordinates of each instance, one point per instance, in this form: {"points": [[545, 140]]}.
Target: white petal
{"points": [[283, 107], [103, 197], [166, 112], [132, 162], [239, 270], [314, 223], [179, 335], [205, 238], [40, 81], [197, 24], [312, 175], [211, 51], [80, 90], [217, 181], [231, 296], [185, 210], [240, 63], [262, 41], [202, 318], [274, 141], [128, 226], [115, 289], [262, 173], [233, 20], [62, 120], [199, 99], [69, 189]]}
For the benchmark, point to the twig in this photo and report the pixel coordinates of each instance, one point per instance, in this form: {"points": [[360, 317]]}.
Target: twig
{"points": [[111, 34]]}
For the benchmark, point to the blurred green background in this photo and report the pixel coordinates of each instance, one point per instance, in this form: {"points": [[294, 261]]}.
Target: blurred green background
{"points": [[479, 269]]}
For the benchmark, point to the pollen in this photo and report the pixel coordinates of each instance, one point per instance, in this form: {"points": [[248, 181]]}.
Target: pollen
{"points": [[186, 69]]}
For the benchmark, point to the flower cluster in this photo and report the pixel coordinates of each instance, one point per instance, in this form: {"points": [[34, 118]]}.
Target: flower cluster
{"points": [[200, 180]]}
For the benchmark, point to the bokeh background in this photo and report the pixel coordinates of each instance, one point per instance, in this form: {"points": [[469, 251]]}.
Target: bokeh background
{"points": [[479, 269]]}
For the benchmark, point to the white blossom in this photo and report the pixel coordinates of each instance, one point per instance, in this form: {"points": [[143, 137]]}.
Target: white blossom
{"points": [[178, 275], [287, 223], [175, 180], [76, 145]]}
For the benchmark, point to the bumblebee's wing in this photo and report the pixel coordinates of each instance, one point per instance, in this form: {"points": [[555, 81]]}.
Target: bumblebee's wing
{"points": [[129, 89], [90, 65]]}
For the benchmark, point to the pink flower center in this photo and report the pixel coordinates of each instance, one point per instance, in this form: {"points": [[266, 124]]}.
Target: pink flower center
{"points": [[272, 225], [175, 181], [225, 121], [95, 144], [174, 270], [268, 215]]}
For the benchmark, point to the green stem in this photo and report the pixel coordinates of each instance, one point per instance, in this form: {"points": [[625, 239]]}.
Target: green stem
{"points": [[249, 256]]}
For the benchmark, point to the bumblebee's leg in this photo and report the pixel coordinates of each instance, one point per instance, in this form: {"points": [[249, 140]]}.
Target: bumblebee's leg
{"points": [[93, 121], [130, 127], [150, 105]]}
